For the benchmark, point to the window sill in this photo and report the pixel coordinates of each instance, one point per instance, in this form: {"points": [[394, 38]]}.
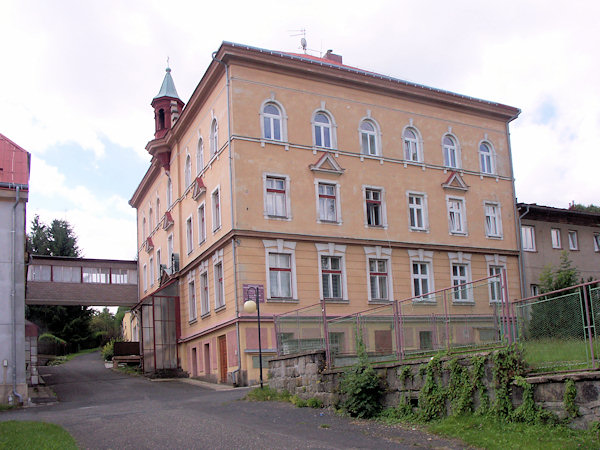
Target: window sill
{"points": [[424, 301], [458, 233], [380, 302], [193, 321], [282, 300], [496, 238], [201, 242], [205, 315], [220, 308], [376, 227], [271, 217], [419, 230], [329, 222], [216, 229], [337, 300], [464, 302]]}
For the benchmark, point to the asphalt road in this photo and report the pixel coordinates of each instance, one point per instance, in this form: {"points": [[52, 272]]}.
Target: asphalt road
{"points": [[104, 409]]}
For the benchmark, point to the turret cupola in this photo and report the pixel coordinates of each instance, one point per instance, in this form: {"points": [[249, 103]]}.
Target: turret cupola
{"points": [[167, 106]]}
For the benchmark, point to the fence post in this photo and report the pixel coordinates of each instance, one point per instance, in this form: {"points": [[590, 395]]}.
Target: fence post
{"points": [[589, 325], [505, 305], [396, 307], [447, 319], [277, 339], [326, 332]]}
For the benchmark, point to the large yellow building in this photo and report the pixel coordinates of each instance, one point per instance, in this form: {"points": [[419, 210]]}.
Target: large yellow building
{"points": [[310, 180]]}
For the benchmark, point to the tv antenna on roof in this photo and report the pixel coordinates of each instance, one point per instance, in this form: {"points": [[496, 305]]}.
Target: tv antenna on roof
{"points": [[301, 32]]}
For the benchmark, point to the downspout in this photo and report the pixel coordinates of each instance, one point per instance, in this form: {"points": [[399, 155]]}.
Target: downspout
{"points": [[235, 292], [13, 295], [522, 262]]}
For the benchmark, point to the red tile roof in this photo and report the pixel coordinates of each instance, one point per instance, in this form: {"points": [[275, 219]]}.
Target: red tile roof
{"points": [[14, 162]]}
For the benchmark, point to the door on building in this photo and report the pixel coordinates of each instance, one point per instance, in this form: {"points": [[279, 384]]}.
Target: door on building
{"points": [[222, 359], [383, 341], [207, 359], [194, 363]]}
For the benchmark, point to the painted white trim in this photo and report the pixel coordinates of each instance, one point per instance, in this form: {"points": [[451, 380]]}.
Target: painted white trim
{"points": [[423, 257], [284, 247], [201, 223], [420, 148], [494, 261], [377, 132], [331, 249], [288, 203], [338, 202], [493, 158], [457, 147], [425, 209], [217, 258], [464, 259], [463, 216], [498, 207], [332, 127], [283, 115], [189, 240], [379, 252], [199, 154], [216, 226], [384, 222], [203, 270]]}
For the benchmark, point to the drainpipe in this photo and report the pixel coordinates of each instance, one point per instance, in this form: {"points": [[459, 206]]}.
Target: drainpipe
{"points": [[13, 295], [522, 262]]}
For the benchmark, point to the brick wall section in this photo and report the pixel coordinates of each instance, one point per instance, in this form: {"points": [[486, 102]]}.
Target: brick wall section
{"points": [[305, 375]]}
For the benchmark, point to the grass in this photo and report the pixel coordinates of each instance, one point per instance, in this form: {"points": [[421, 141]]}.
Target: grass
{"points": [[39, 435], [267, 394], [557, 354], [490, 433], [63, 359], [130, 370]]}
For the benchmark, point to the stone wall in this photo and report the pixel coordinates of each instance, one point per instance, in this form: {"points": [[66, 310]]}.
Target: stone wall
{"points": [[306, 376]]}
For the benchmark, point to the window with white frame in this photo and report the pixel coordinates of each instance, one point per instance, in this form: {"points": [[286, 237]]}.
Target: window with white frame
{"points": [[534, 289], [280, 264], [280, 275], [150, 221], [528, 238], [374, 207], [204, 298], [328, 202], [214, 137], [158, 264], [169, 193], [421, 275], [219, 285], [276, 196], [368, 138], [272, 122], [451, 152], [187, 173], [495, 284], [378, 279], [192, 300], [411, 142], [200, 155], [170, 252], [157, 210], [555, 235], [573, 243], [201, 224], [457, 221], [597, 242], [189, 235], [331, 277], [151, 264], [216, 209], [322, 130], [493, 220], [460, 277], [145, 277], [417, 211], [144, 229], [486, 158]]}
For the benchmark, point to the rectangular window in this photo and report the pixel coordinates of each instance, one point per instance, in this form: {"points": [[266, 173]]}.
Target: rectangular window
{"points": [[189, 237], [573, 244], [378, 279], [219, 286], [493, 221], [192, 300], [170, 253], [420, 278], [460, 276], [535, 290], [280, 275], [494, 283], [374, 207], [117, 276], [64, 274], [201, 224], [275, 196], [331, 274], [555, 234], [38, 272], [145, 275], [597, 242], [416, 211], [158, 263], [216, 210], [151, 264], [96, 275], [456, 216], [204, 303], [328, 202], [528, 238]]}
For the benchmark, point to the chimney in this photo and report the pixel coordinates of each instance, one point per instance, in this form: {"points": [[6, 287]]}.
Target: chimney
{"points": [[333, 57]]}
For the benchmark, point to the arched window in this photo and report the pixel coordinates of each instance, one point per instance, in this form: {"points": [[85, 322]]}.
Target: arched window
{"points": [[411, 145], [486, 158], [214, 137], [187, 173], [150, 221], [157, 210], [368, 138], [322, 129], [272, 122], [200, 156], [451, 155], [144, 229], [169, 192]]}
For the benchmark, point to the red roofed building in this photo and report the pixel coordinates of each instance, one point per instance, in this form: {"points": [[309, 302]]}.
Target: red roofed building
{"points": [[14, 190]]}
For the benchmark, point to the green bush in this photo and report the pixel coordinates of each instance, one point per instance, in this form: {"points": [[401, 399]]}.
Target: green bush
{"points": [[299, 402], [108, 351], [314, 402], [360, 387], [50, 337]]}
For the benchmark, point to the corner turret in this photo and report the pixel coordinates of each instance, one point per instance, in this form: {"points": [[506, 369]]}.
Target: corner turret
{"points": [[167, 106]]}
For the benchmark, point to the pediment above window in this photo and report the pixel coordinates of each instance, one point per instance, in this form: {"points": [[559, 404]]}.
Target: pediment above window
{"points": [[168, 221], [199, 188], [456, 182], [327, 164], [149, 245]]}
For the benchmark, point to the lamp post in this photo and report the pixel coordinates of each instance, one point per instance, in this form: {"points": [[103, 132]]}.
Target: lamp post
{"points": [[250, 306]]}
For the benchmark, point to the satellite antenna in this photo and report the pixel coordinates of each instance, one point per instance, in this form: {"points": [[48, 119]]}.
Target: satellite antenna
{"points": [[303, 44], [301, 32]]}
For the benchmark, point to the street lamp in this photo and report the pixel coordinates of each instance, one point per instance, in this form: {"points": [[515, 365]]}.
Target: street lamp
{"points": [[250, 306]]}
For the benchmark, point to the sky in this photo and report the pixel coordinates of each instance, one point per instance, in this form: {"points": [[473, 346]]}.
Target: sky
{"points": [[77, 78]]}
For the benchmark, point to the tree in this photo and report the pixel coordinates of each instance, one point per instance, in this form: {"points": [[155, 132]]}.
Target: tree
{"points": [[561, 316], [71, 323], [589, 208]]}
